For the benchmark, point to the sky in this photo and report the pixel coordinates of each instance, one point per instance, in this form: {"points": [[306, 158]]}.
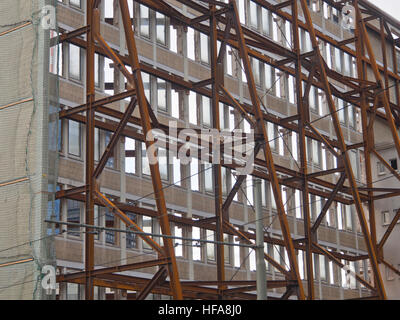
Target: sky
{"points": [[392, 7]]}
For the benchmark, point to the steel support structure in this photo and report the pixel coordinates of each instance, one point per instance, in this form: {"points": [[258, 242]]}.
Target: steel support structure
{"points": [[220, 20]]}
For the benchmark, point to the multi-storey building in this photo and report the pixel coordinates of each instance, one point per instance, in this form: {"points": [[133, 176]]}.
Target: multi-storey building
{"points": [[386, 211], [165, 44]]}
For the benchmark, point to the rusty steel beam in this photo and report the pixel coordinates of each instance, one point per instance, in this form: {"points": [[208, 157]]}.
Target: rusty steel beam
{"points": [[328, 203], [389, 230], [115, 210], [90, 181], [158, 277], [115, 138], [331, 257], [127, 267]]}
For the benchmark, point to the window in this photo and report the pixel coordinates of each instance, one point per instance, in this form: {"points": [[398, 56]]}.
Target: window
{"points": [[131, 237], [109, 9], [147, 228], [341, 111], [161, 28], [316, 148], [210, 236], [291, 89], [249, 190], [178, 243], [272, 197], [252, 260], [307, 41], [204, 48], [339, 215], [269, 79], [331, 274], [145, 160], [328, 55], [266, 21], [338, 60], [318, 206], [176, 172], [97, 70], [229, 66], [278, 83], [206, 110], [271, 134], [190, 43], [352, 116], [393, 163], [196, 249], [242, 13], [146, 85], [74, 62], [349, 218], [313, 151], [297, 204], [300, 259], [346, 65], [385, 218], [208, 177], [381, 168], [173, 39], [253, 15], [75, 3], [108, 75], [354, 163], [130, 155], [56, 57], [255, 63], [162, 94], [194, 173], [74, 138], [96, 144], [73, 216], [192, 108], [313, 99], [174, 104], [144, 13], [163, 163], [110, 223], [107, 139]]}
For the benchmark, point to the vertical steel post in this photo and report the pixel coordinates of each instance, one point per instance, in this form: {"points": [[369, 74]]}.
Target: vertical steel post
{"points": [[303, 112], [260, 262], [216, 76], [90, 181]]}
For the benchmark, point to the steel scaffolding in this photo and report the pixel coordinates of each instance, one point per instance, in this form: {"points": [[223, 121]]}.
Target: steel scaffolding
{"points": [[220, 20]]}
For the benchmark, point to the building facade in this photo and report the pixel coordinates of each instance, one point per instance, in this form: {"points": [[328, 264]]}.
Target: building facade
{"points": [[167, 45]]}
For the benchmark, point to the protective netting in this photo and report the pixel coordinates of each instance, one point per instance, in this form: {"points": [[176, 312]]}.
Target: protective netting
{"points": [[28, 148]]}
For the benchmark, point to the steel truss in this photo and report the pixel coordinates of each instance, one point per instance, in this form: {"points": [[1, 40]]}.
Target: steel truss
{"points": [[221, 22]]}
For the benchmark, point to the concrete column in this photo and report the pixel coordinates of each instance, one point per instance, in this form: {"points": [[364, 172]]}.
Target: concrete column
{"points": [[261, 270]]}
